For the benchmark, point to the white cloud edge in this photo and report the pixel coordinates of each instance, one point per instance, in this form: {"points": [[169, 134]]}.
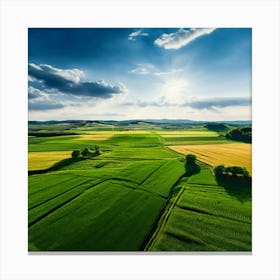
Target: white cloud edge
{"points": [[137, 33], [181, 37]]}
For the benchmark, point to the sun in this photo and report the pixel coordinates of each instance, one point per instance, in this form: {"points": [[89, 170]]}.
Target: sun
{"points": [[175, 90], [175, 84]]}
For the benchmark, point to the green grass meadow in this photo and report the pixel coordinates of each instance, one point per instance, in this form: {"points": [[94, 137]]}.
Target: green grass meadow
{"points": [[206, 217], [134, 196]]}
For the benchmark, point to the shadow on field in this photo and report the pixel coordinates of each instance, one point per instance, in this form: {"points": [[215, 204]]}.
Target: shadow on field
{"points": [[239, 187], [58, 165]]}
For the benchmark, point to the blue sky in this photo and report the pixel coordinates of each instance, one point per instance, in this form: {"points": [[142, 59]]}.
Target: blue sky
{"points": [[139, 73]]}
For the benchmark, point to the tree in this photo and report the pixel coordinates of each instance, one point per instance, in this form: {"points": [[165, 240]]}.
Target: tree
{"points": [[243, 134], [76, 154], [219, 170], [216, 126], [190, 159], [236, 170], [86, 152], [222, 171], [246, 173], [191, 166], [97, 150]]}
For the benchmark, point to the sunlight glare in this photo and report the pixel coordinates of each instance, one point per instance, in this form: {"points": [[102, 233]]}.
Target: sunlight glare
{"points": [[175, 90]]}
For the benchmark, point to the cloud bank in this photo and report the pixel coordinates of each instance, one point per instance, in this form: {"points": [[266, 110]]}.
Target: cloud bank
{"points": [[219, 103], [150, 69], [69, 82], [39, 100], [181, 38], [210, 104]]}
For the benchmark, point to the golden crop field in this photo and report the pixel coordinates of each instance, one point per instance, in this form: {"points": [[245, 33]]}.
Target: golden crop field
{"points": [[239, 154], [101, 136], [43, 160], [106, 135]]}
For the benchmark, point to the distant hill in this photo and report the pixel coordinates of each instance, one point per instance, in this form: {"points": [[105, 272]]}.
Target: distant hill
{"points": [[151, 121]]}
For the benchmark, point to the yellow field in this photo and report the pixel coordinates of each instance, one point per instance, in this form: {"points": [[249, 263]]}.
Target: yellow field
{"points": [[239, 154], [106, 135], [43, 160], [102, 136]]}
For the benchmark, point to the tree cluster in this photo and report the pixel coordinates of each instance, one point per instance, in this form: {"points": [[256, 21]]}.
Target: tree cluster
{"points": [[234, 171], [243, 134], [216, 127], [86, 153]]}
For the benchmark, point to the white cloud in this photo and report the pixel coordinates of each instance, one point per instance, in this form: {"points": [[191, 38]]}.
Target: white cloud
{"points": [[191, 102], [132, 36], [143, 69], [172, 71], [34, 93], [150, 69], [69, 82], [40, 100], [73, 75], [181, 38]]}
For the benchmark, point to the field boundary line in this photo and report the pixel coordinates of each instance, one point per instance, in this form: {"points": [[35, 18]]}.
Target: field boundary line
{"points": [[52, 210], [137, 188], [44, 189], [164, 218], [49, 199], [63, 204], [152, 173], [203, 212]]}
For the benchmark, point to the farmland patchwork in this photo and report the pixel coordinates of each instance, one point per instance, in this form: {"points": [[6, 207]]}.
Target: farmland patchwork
{"points": [[134, 195]]}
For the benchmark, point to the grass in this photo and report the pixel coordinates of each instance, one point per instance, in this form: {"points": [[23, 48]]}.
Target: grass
{"points": [[205, 177], [115, 201], [164, 177], [60, 143], [106, 217], [191, 137], [94, 208], [206, 218], [228, 154], [188, 133], [90, 164], [194, 140], [46, 206], [134, 140], [193, 231], [141, 153]]}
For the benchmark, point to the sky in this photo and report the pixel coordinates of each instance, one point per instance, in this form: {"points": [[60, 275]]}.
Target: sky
{"points": [[139, 73]]}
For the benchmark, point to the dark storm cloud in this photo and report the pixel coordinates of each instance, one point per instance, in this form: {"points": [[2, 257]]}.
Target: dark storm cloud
{"points": [[69, 81]]}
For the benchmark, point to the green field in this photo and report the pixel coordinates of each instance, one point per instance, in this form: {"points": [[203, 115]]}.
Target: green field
{"points": [[134, 196], [206, 217]]}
